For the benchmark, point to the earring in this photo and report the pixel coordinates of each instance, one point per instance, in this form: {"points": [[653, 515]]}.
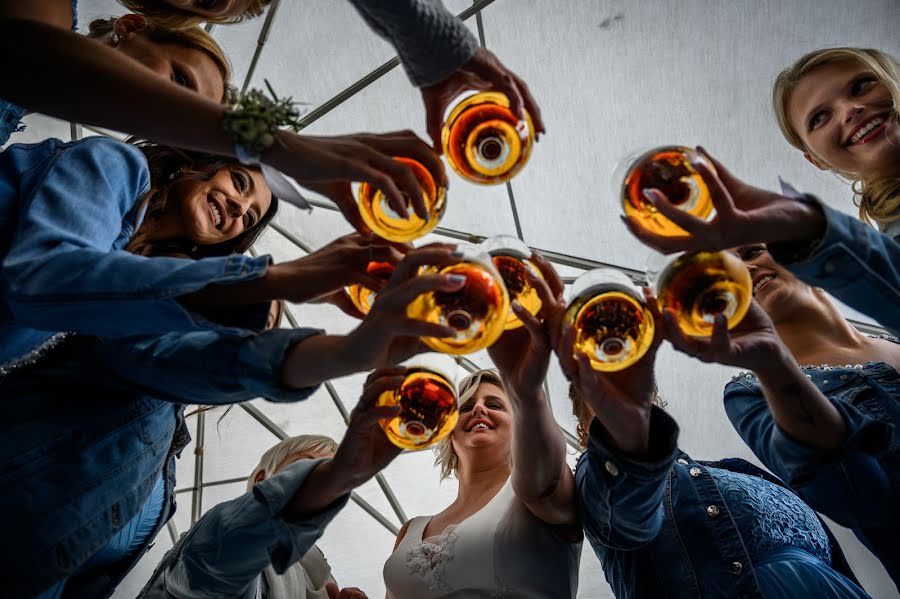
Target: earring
{"points": [[114, 38]]}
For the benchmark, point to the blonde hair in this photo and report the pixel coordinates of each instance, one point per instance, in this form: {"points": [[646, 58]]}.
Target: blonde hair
{"points": [[445, 457], [584, 415], [878, 199], [194, 38], [172, 17], [269, 462]]}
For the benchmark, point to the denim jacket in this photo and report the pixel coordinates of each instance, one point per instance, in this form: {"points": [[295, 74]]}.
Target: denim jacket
{"points": [[67, 210], [88, 429], [224, 554], [661, 528], [854, 262], [856, 485]]}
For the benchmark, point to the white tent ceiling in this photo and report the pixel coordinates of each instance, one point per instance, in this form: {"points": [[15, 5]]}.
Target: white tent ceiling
{"points": [[610, 76]]}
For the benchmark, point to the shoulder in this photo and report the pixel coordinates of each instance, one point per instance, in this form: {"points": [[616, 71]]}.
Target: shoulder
{"points": [[105, 161]]}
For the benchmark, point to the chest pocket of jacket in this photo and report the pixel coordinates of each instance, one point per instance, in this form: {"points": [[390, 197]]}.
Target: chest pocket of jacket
{"points": [[876, 392]]}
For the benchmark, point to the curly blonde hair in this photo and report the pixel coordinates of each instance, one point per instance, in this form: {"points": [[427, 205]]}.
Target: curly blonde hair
{"points": [[878, 199], [445, 456], [172, 17]]}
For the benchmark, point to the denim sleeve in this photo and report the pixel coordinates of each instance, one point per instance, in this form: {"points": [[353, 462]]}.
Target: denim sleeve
{"points": [[620, 499], [431, 41], [203, 367], [226, 550], [61, 272], [854, 262], [848, 484]]}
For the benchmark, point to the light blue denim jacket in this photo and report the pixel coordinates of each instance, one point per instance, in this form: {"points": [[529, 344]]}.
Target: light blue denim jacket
{"points": [[90, 426], [67, 211], [223, 555], [854, 262]]}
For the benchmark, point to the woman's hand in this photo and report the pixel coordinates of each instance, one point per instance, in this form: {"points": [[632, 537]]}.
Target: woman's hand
{"points": [[744, 215], [621, 400], [483, 71], [363, 451], [383, 337], [522, 355], [329, 269], [327, 165], [752, 344]]}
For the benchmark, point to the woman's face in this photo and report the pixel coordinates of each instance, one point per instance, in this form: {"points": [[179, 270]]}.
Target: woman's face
{"points": [[485, 420], [844, 115], [189, 67], [208, 212], [211, 8], [774, 287]]}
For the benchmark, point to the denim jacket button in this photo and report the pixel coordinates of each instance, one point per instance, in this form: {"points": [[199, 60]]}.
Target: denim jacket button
{"points": [[114, 517], [736, 568], [712, 511], [682, 461], [695, 472], [611, 468]]}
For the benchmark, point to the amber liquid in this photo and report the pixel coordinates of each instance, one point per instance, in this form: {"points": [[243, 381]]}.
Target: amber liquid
{"points": [[513, 271], [613, 327], [363, 297], [699, 285], [484, 141], [387, 224], [670, 170], [428, 410], [477, 311]]}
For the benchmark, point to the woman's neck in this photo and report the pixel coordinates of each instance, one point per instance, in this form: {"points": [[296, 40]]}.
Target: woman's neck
{"points": [[818, 333], [480, 482]]}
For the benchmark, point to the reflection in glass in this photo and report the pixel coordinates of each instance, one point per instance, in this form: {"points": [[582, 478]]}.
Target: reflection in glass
{"points": [[512, 259], [484, 141]]}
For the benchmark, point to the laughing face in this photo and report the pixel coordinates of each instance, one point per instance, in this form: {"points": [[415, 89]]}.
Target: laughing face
{"points": [[209, 212], [846, 118], [485, 420], [775, 288]]}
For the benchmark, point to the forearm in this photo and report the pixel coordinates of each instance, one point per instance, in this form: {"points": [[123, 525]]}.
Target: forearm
{"points": [[431, 41], [326, 484], [320, 358], [538, 449], [854, 262], [797, 405], [102, 87]]}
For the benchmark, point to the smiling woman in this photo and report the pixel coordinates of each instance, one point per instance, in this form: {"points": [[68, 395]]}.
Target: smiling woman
{"points": [[839, 106], [200, 205]]}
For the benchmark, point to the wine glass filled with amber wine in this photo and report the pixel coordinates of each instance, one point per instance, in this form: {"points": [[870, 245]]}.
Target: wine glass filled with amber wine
{"points": [[363, 297], [613, 326], [700, 285], [512, 259], [386, 223], [673, 171], [484, 141], [477, 311], [428, 403]]}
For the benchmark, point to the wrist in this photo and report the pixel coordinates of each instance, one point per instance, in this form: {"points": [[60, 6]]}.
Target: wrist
{"points": [[775, 363]]}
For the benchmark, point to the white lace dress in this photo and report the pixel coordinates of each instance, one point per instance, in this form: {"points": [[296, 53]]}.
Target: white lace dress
{"points": [[503, 550]]}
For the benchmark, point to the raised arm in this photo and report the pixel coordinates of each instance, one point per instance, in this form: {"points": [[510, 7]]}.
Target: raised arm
{"points": [[105, 88], [541, 477], [823, 247], [278, 521]]}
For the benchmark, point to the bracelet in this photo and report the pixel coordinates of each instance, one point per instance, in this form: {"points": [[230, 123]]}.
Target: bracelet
{"points": [[253, 121]]}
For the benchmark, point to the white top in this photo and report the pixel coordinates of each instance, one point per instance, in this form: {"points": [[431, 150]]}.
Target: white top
{"points": [[503, 550]]}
